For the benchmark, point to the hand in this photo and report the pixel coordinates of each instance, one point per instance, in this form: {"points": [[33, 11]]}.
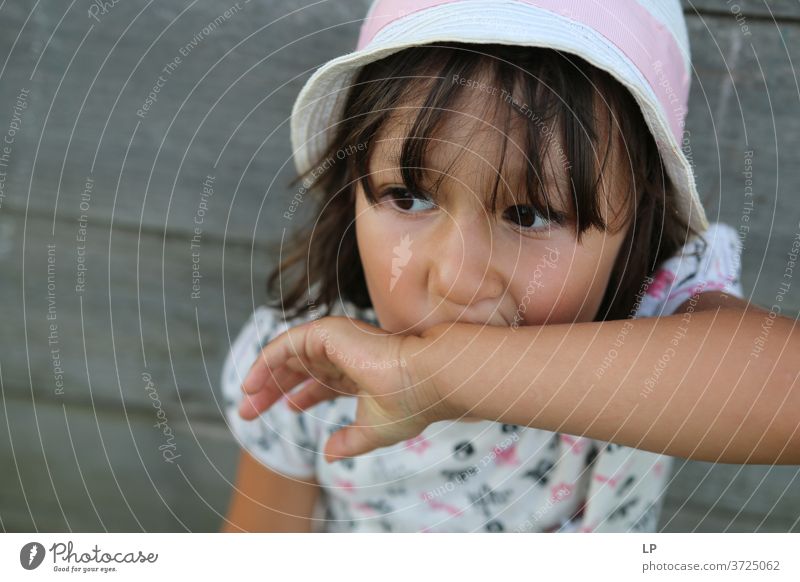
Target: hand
{"points": [[337, 356]]}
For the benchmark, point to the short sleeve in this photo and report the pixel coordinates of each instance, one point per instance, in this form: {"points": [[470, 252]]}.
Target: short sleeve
{"points": [[280, 438], [626, 492], [710, 263]]}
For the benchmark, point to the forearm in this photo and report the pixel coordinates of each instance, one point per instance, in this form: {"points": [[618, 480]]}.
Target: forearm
{"points": [[265, 501], [682, 387]]}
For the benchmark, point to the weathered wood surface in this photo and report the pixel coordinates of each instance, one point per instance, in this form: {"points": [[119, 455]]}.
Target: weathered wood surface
{"points": [[747, 9], [223, 112]]}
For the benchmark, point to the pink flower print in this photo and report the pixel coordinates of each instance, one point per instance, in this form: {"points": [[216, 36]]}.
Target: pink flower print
{"points": [[561, 491], [438, 505], [658, 468], [345, 485], [612, 481], [615, 478], [576, 444], [506, 456], [662, 279], [419, 444], [365, 507]]}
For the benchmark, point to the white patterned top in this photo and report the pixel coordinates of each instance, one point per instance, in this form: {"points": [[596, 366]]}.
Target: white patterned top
{"points": [[475, 476]]}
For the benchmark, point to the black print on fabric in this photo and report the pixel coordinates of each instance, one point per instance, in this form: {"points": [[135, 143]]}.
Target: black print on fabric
{"points": [[540, 472], [554, 440], [460, 475], [612, 447], [301, 420], [626, 485], [264, 440], [698, 250], [485, 498], [591, 455], [379, 505], [647, 521], [463, 450], [506, 428], [393, 476], [344, 420], [345, 517], [305, 446], [621, 511], [495, 526], [395, 489]]}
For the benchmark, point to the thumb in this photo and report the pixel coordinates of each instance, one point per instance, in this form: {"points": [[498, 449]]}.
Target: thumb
{"points": [[350, 441]]}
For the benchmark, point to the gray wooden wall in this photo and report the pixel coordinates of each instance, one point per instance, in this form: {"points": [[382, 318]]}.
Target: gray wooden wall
{"points": [[80, 451]]}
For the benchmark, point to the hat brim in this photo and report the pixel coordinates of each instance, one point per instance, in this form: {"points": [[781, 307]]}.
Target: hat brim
{"points": [[319, 105]]}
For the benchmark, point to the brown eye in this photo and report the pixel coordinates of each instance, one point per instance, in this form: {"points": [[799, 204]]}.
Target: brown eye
{"points": [[407, 201], [523, 215]]}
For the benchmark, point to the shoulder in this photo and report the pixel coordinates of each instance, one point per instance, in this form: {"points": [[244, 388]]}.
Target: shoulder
{"points": [[709, 262]]}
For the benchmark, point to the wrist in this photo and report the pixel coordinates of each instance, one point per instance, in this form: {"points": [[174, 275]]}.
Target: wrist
{"points": [[427, 359]]}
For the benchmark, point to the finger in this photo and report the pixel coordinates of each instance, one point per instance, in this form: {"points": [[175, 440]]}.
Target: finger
{"points": [[252, 405], [350, 441], [312, 392], [277, 381], [272, 358]]}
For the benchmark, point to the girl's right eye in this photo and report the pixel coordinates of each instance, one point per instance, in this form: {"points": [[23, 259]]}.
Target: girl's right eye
{"points": [[404, 200]]}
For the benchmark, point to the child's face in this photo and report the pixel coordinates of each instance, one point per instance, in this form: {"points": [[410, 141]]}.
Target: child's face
{"points": [[426, 264]]}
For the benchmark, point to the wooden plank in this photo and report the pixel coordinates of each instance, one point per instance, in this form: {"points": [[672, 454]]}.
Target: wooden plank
{"points": [[753, 492], [69, 469], [744, 99], [677, 517], [235, 111], [135, 314], [772, 9]]}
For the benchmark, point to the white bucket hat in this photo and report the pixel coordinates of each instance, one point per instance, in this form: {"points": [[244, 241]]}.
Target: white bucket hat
{"points": [[643, 44]]}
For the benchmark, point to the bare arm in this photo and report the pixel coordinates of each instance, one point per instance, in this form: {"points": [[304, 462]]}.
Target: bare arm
{"points": [[689, 385], [265, 501]]}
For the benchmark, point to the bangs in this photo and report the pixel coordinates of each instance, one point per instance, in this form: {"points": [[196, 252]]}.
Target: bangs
{"points": [[540, 103]]}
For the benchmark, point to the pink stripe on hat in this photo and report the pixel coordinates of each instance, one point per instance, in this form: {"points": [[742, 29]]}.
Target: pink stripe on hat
{"points": [[629, 26]]}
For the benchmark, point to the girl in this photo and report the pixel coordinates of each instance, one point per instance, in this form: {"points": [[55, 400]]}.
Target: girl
{"points": [[510, 296]]}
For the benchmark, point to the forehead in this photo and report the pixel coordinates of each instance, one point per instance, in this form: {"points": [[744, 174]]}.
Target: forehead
{"points": [[467, 143]]}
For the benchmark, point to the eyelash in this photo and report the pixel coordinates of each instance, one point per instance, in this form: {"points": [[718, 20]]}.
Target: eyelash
{"points": [[555, 217]]}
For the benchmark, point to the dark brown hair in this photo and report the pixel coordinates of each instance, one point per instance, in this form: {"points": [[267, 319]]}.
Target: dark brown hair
{"points": [[565, 91]]}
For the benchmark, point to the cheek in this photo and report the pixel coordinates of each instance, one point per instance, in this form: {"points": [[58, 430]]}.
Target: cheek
{"points": [[565, 283], [387, 249]]}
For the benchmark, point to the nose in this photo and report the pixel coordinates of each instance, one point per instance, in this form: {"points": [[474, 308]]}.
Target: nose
{"points": [[461, 260]]}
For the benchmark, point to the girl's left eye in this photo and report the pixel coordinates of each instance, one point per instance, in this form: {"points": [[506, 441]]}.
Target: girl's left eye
{"points": [[526, 217], [408, 201]]}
